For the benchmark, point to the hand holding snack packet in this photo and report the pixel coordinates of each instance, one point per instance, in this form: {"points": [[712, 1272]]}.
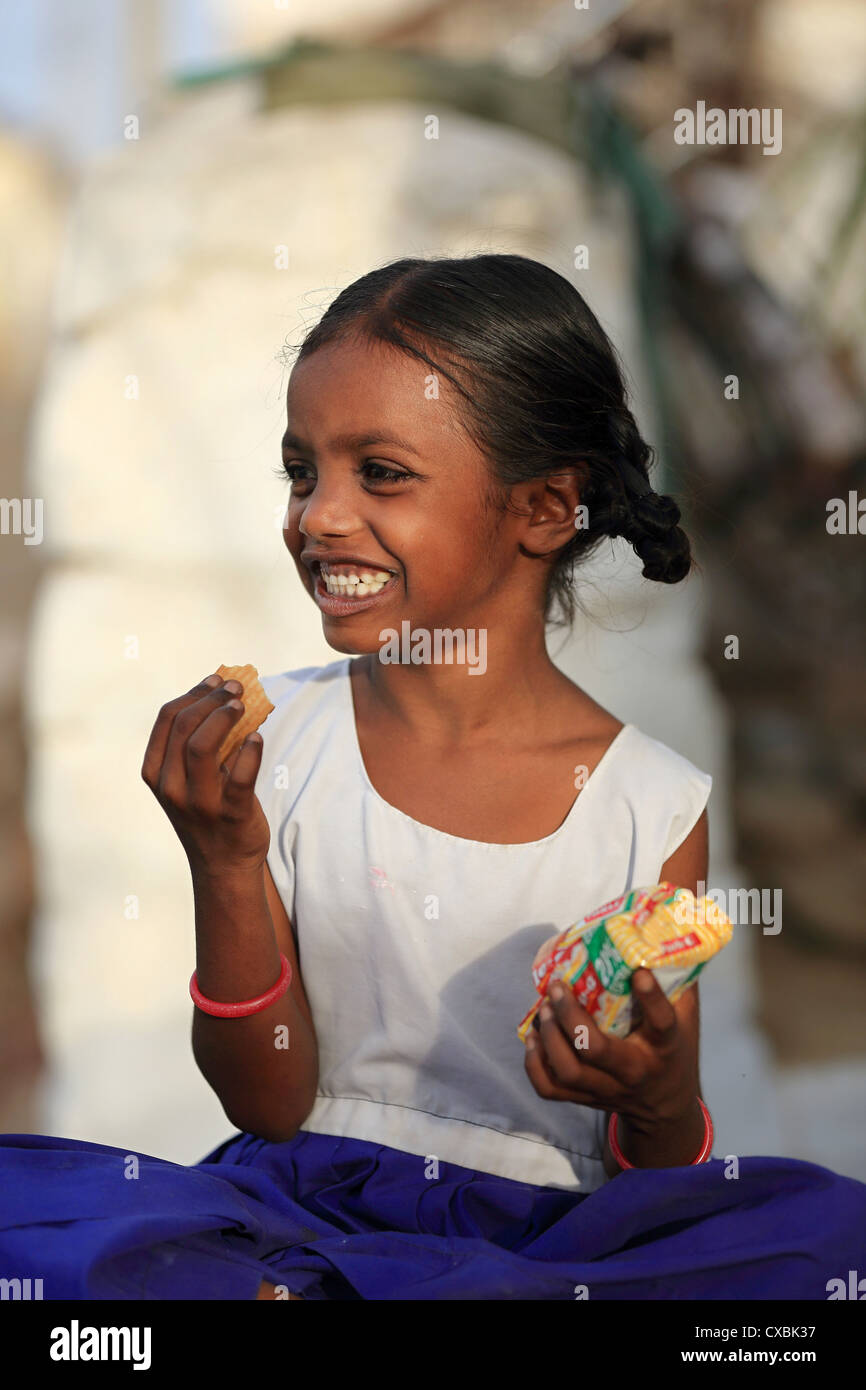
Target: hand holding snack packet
{"points": [[585, 978]]}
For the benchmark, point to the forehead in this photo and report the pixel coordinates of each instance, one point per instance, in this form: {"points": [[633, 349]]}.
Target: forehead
{"points": [[355, 382]]}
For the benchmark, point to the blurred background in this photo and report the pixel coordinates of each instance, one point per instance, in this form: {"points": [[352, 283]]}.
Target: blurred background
{"points": [[183, 188]]}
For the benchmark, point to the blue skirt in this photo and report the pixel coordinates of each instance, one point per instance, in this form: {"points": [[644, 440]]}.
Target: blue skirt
{"points": [[332, 1218]]}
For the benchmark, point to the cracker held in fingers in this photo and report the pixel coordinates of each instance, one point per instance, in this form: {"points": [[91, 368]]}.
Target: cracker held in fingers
{"points": [[257, 707]]}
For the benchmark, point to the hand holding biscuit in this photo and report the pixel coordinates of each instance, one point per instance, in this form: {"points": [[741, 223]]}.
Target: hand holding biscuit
{"points": [[201, 763]]}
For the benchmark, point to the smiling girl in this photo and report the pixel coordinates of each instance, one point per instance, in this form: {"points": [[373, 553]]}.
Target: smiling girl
{"points": [[400, 839]]}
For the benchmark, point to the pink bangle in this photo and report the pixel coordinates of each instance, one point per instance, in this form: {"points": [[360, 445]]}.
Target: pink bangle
{"points": [[703, 1155], [244, 1006]]}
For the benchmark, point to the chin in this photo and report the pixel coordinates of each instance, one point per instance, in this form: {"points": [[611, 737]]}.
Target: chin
{"points": [[349, 646]]}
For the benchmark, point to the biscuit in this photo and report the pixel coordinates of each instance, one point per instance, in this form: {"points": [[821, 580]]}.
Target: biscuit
{"points": [[257, 707]]}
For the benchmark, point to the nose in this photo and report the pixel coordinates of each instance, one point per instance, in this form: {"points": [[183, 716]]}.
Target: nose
{"points": [[330, 509]]}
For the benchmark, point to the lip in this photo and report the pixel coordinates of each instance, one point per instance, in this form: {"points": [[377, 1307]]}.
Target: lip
{"points": [[313, 558], [343, 607]]}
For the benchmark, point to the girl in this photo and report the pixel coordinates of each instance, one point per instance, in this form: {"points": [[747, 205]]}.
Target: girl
{"points": [[397, 843]]}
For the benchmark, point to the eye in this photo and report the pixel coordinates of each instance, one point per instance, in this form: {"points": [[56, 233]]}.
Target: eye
{"points": [[287, 472], [386, 475]]}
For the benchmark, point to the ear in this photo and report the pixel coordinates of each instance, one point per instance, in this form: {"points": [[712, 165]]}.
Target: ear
{"points": [[549, 505]]}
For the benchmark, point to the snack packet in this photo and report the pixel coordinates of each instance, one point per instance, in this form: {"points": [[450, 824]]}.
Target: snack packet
{"points": [[663, 928]]}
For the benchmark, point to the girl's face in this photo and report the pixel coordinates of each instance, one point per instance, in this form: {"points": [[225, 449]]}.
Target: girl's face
{"points": [[385, 480]]}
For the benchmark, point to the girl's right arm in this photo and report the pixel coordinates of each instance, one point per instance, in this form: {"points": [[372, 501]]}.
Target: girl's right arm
{"points": [[264, 1067]]}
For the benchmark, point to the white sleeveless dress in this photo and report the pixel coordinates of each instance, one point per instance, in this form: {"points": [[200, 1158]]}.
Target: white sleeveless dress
{"points": [[415, 945]]}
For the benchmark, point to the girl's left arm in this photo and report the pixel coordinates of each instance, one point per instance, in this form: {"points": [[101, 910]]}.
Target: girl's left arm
{"points": [[649, 1078], [687, 868]]}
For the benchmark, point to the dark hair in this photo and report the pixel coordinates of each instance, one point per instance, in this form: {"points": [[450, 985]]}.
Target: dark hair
{"points": [[543, 388]]}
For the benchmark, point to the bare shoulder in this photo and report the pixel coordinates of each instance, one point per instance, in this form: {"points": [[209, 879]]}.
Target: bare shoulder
{"points": [[689, 864], [582, 717]]}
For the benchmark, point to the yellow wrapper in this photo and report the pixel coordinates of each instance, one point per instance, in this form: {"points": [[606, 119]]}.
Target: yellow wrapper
{"points": [[663, 928]]}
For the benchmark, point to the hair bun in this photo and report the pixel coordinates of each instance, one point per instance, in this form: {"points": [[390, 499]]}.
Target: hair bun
{"points": [[656, 537]]}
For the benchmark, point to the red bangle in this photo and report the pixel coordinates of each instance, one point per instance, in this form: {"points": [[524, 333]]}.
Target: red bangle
{"points": [[703, 1155], [244, 1006]]}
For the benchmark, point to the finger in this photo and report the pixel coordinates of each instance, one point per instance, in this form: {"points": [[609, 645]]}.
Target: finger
{"points": [[539, 1073], [583, 1033], [154, 754], [196, 770], [203, 769], [619, 1058], [569, 1065], [558, 1049], [242, 770], [228, 763], [658, 1019]]}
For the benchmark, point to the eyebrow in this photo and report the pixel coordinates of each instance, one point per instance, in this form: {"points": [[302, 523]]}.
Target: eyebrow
{"points": [[346, 442]]}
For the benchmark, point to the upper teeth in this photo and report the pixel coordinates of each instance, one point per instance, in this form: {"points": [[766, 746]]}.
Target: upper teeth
{"points": [[347, 582]]}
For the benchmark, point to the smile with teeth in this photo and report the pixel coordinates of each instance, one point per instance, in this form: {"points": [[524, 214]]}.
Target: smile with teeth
{"points": [[347, 581]]}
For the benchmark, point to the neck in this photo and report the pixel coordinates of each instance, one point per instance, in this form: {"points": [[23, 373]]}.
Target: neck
{"points": [[492, 685]]}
